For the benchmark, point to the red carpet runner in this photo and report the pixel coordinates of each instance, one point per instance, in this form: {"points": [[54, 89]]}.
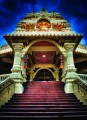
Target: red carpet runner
{"points": [[43, 101]]}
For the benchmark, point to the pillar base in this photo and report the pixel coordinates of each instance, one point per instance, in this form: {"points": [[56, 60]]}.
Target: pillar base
{"points": [[24, 78], [19, 88], [18, 80], [68, 88]]}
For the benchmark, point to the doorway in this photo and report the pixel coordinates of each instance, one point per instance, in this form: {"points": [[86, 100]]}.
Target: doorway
{"points": [[44, 75]]}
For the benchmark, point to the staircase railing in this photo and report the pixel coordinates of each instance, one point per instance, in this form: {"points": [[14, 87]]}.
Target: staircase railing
{"points": [[3, 77], [80, 88], [83, 76], [6, 88]]}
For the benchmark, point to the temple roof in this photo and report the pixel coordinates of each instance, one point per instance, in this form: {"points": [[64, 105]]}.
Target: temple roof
{"points": [[5, 49], [44, 33], [81, 49], [43, 24]]}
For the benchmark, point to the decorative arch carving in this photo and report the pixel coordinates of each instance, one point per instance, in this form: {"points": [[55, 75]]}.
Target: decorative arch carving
{"points": [[45, 18], [43, 24], [25, 49]]}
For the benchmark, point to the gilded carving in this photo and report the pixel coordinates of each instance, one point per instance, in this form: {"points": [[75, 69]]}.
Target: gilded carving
{"points": [[28, 27], [58, 26], [43, 25]]}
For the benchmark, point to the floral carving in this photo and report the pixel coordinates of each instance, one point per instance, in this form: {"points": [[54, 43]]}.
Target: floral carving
{"points": [[28, 27], [43, 25], [59, 27]]}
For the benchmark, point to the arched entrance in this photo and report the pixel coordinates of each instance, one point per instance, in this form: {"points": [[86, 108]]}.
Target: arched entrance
{"points": [[44, 75], [43, 54]]}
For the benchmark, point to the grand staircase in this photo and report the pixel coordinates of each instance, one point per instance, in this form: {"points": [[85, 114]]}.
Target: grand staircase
{"points": [[43, 100]]}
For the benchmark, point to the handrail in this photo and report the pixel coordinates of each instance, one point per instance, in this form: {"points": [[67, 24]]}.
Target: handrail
{"points": [[80, 88], [3, 77], [81, 80], [6, 90], [5, 83], [83, 76]]}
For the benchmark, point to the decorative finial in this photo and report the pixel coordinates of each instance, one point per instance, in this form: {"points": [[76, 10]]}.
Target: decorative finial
{"points": [[43, 10]]}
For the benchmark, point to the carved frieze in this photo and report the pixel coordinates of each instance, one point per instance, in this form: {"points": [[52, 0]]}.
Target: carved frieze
{"points": [[58, 26], [28, 26], [43, 25]]}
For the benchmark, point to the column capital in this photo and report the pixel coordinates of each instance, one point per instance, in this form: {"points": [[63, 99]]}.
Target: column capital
{"points": [[69, 46], [17, 46]]}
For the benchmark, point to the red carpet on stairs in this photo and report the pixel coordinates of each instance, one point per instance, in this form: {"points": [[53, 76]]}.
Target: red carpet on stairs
{"points": [[43, 100]]}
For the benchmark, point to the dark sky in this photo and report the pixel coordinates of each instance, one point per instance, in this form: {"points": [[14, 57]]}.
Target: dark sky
{"points": [[12, 11]]}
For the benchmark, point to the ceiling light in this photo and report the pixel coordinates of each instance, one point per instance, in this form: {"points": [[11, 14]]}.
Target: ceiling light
{"points": [[43, 56]]}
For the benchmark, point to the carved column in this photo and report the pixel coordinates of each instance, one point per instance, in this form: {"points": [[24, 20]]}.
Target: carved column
{"points": [[64, 67], [70, 68], [22, 68], [56, 75], [31, 74], [16, 70]]}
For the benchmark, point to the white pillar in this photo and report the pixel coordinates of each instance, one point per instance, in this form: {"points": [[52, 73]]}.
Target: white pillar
{"points": [[23, 69], [70, 68], [69, 50], [16, 70]]}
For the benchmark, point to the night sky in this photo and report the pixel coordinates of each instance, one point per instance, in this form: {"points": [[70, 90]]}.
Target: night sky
{"points": [[12, 11]]}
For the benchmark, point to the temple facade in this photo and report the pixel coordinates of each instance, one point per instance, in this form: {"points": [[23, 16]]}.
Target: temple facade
{"points": [[43, 48]]}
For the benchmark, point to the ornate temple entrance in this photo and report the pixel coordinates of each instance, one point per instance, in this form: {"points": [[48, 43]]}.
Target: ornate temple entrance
{"points": [[43, 37]]}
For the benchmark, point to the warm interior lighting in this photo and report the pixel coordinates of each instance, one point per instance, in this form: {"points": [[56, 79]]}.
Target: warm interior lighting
{"points": [[61, 66], [43, 56]]}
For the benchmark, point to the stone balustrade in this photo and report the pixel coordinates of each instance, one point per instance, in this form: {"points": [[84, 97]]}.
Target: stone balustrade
{"points": [[6, 90], [3, 77], [80, 88], [83, 76]]}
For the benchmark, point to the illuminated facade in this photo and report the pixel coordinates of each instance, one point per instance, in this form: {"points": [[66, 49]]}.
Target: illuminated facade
{"points": [[43, 46]]}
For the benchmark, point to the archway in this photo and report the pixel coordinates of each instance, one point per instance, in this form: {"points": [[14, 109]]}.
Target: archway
{"points": [[37, 54], [25, 49], [44, 75]]}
